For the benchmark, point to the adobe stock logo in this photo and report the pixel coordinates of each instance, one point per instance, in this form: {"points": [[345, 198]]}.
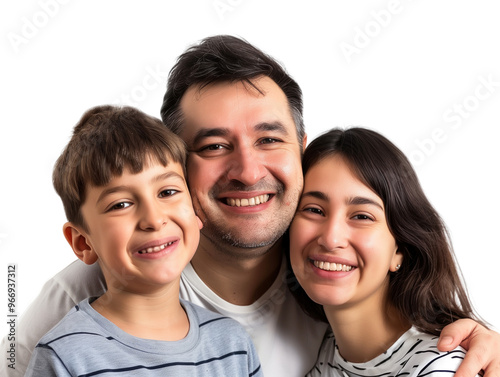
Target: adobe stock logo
{"points": [[33, 25], [221, 7], [364, 35], [154, 78], [454, 117]]}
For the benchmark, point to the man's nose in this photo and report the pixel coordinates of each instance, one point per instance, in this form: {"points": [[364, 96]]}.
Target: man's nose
{"points": [[246, 166]]}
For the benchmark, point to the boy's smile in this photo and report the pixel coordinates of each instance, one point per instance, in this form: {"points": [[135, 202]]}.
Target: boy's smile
{"points": [[141, 228]]}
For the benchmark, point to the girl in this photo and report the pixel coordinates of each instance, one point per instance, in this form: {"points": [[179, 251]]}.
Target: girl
{"points": [[368, 246]]}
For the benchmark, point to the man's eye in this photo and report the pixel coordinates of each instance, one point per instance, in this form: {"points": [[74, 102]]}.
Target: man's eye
{"points": [[167, 193], [269, 140], [212, 147]]}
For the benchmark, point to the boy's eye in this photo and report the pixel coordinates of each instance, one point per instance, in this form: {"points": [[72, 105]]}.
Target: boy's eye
{"points": [[121, 205], [167, 193]]}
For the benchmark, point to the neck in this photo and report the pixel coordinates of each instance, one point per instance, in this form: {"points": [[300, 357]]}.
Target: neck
{"points": [[157, 315], [240, 277], [363, 332]]}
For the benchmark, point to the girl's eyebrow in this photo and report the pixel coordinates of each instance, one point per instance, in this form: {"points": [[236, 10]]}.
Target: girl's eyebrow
{"points": [[316, 194], [355, 200], [359, 200]]}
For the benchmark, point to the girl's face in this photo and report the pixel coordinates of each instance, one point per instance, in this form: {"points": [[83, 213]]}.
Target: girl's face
{"points": [[340, 245]]}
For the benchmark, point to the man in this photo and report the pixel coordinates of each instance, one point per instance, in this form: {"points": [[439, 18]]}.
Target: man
{"points": [[240, 115]]}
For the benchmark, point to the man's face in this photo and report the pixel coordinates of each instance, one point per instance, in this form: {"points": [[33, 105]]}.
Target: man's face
{"points": [[244, 164]]}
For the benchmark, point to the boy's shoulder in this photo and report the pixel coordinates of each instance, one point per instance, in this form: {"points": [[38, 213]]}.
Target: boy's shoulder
{"points": [[214, 327], [76, 320], [208, 319]]}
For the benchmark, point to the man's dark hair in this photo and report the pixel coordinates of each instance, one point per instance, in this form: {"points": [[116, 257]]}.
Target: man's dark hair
{"points": [[225, 58]]}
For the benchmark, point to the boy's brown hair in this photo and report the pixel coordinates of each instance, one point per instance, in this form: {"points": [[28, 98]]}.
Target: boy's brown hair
{"points": [[106, 140]]}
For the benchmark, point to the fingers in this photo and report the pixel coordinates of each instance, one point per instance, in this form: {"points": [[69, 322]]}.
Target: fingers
{"points": [[456, 333]]}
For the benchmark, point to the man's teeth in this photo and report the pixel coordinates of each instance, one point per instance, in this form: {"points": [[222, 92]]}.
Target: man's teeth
{"points": [[327, 266], [155, 249], [248, 202]]}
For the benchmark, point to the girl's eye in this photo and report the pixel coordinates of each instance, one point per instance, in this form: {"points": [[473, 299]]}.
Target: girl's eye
{"points": [[362, 217], [167, 193], [314, 210]]}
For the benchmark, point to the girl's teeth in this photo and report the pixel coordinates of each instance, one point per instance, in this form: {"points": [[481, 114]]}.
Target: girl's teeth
{"points": [[327, 266]]}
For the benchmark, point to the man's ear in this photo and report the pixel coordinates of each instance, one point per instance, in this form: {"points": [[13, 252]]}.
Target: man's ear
{"points": [[78, 240], [304, 142]]}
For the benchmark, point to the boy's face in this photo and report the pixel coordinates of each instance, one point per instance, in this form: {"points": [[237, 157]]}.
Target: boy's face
{"points": [[141, 227]]}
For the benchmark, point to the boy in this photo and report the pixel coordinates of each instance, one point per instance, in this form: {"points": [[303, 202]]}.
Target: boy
{"points": [[121, 180]]}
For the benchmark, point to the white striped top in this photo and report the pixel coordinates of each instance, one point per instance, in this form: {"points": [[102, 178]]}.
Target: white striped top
{"points": [[413, 354]]}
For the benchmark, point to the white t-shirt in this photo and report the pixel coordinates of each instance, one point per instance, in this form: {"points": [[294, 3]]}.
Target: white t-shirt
{"points": [[413, 354], [286, 339]]}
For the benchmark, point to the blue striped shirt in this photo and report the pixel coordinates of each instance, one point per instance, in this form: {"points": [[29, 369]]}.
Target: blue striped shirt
{"points": [[85, 343]]}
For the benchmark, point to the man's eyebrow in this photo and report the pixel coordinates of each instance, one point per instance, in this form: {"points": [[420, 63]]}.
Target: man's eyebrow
{"points": [[209, 132], [272, 126], [221, 131], [360, 200]]}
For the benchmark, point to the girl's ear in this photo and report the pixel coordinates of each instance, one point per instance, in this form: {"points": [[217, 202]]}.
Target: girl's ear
{"points": [[79, 242], [397, 261], [200, 223]]}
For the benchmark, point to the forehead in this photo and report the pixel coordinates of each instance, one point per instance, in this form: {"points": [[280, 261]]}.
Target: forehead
{"points": [[335, 177], [235, 107]]}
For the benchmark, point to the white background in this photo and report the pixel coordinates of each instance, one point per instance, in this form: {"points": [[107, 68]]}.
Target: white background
{"points": [[424, 73]]}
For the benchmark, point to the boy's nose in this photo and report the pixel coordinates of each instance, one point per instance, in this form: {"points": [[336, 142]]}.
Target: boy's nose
{"points": [[152, 218]]}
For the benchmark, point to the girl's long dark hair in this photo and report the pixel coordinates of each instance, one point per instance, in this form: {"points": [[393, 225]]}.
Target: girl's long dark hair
{"points": [[427, 289]]}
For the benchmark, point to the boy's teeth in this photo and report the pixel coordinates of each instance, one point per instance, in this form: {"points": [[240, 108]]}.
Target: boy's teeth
{"points": [[234, 202], [155, 249], [327, 266]]}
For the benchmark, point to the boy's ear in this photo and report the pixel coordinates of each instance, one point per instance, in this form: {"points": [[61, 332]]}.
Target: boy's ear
{"points": [[78, 241]]}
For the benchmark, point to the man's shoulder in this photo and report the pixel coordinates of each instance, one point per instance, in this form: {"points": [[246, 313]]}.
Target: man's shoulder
{"points": [[79, 279]]}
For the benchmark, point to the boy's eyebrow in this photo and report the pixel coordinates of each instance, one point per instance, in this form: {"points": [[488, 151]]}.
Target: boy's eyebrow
{"points": [[160, 177], [167, 175]]}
